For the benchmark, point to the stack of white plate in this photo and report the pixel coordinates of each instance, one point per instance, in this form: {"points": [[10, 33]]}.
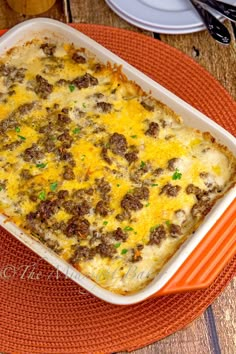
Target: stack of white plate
{"points": [[161, 16]]}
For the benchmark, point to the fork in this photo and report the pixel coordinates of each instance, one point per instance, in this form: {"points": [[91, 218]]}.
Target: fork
{"points": [[227, 10], [216, 29]]}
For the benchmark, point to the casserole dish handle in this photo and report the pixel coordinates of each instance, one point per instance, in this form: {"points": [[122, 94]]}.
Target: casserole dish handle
{"points": [[209, 257]]}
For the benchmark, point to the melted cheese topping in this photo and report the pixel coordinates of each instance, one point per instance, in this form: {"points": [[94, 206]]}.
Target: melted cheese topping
{"points": [[36, 158]]}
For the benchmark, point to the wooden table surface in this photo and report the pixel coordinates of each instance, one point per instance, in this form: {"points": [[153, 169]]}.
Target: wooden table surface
{"points": [[215, 331]]}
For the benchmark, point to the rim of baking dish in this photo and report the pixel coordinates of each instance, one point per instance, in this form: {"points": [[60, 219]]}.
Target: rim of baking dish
{"points": [[31, 28]]}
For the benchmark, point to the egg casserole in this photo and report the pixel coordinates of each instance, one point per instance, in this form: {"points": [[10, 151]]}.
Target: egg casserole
{"points": [[96, 169]]}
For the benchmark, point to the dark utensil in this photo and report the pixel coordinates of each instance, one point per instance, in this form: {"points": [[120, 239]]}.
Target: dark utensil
{"points": [[67, 11], [228, 11], [216, 29]]}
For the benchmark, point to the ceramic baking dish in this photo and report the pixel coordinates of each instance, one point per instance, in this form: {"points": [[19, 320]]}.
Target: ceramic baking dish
{"points": [[183, 271]]}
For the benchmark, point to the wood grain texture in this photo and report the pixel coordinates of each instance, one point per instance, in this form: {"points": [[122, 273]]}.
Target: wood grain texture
{"points": [[219, 60], [198, 337], [91, 11], [225, 317], [193, 339]]}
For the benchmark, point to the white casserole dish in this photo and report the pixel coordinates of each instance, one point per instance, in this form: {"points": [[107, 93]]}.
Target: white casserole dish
{"points": [[42, 27]]}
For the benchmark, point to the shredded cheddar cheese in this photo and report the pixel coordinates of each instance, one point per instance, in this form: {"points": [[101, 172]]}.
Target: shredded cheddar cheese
{"points": [[98, 170]]}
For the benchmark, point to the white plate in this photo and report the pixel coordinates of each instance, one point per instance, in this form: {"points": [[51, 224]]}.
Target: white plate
{"points": [[169, 16], [54, 30], [155, 28]]}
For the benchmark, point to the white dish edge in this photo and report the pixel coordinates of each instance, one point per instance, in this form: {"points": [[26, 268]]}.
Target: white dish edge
{"points": [[42, 27]]}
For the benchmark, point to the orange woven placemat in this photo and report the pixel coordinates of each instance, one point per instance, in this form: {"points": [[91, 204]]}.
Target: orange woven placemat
{"points": [[42, 311]]}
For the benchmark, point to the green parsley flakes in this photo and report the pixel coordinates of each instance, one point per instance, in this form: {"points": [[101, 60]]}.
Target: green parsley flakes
{"points": [[71, 88], [154, 185], [42, 195], [105, 223], [154, 227], [21, 137], [53, 186], [142, 164], [116, 245], [76, 131], [128, 228], [124, 251], [17, 129], [176, 175], [41, 165], [133, 136]]}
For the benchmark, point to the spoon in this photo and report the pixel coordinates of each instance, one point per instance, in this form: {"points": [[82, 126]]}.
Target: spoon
{"points": [[229, 11], [216, 29]]}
